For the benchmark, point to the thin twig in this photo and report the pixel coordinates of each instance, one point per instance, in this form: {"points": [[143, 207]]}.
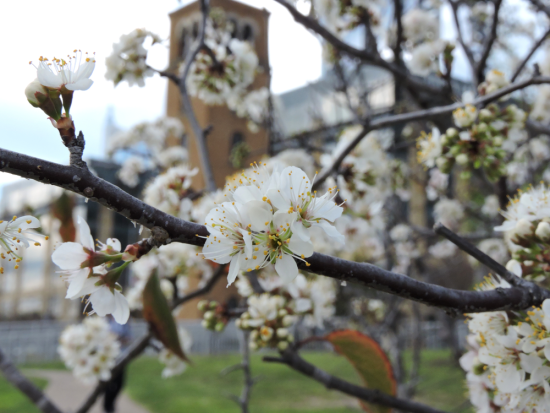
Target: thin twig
{"points": [[534, 48], [198, 132], [14, 376], [483, 258], [294, 361], [467, 51], [385, 121], [489, 42]]}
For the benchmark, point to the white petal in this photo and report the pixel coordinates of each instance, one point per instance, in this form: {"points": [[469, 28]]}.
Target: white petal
{"points": [[508, 378], [300, 231], [23, 222], [85, 70], [234, 268], [327, 209], [89, 286], [244, 194], [114, 243], [283, 220], [103, 301], [85, 236], [82, 84], [47, 78], [218, 251], [331, 231], [286, 268], [122, 309], [529, 363], [76, 283], [278, 198], [69, 256], [299, 247], [259, 215]]}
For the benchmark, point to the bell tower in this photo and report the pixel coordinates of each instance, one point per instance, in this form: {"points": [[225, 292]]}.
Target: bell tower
{"points": [[228, 129]]}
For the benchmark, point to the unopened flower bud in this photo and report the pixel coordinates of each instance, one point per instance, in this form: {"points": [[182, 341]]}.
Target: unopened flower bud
{"points": [[254, 335], [202, 305], [36, 94], [238, 323], [283, 345], [462, 159], [40, 97], [205, 324], [245, 315], [213, 304], [219, 326], [282, 332], [543, 231], [485, 114], [451, 133], [482, 127], [253, 346], [209, 315], [498, 141], [514, 267], [282, 312], [288, 320], [523, 228]]}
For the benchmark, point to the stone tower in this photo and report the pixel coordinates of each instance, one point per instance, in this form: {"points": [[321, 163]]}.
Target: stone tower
{"points": [[228, 129]]}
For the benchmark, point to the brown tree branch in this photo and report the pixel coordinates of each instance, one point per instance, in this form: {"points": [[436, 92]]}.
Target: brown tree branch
{"points": [[294, 361], [14, 376], [455, 301]]}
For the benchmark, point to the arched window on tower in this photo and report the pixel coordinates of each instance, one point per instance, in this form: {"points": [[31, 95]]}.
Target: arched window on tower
{"points": [[234, 28], [195, 31], [182, 50], [248, 32]]}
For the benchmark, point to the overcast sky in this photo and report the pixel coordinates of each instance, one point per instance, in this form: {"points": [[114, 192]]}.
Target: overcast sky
{"points": [[35, 28]]}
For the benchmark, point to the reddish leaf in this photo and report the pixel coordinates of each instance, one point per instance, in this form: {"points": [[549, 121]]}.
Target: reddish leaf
{"points": [[157, 313], [62, 209], [369, 360]]}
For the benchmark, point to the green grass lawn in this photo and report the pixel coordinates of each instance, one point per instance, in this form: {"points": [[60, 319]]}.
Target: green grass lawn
{"points": [[202, 389], [11, 401]]}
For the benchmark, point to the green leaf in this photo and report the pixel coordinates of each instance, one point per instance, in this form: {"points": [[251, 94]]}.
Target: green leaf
{"points": [[159, 316], [369, 360]]}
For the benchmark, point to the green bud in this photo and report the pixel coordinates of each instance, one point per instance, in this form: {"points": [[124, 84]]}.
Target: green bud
{"points": [[219, 326], [43, 98], [283, 345], [202, 305]]}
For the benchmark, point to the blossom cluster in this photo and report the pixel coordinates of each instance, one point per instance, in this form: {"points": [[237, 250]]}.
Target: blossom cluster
{"points": [[146, 147], [127, 62], [89, 349], [506, 364], [527, 229], [16, 235], [483, 141], [269, 222], [340, 16]]}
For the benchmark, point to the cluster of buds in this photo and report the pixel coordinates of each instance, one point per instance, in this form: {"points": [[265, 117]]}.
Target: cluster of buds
{"points": [[268, 319], [214, 315], [532, 259], [484, 140]]}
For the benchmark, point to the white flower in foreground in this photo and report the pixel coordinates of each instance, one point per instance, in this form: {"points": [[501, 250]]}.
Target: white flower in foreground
{"points": [[425, 57], [449, 212], [531, 205], [105, 296], [73, 74], [78, 259], [16, 234], [293, 194]]}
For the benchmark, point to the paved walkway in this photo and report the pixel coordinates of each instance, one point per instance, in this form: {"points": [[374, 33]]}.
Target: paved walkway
{"points": [[68, 393]]}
